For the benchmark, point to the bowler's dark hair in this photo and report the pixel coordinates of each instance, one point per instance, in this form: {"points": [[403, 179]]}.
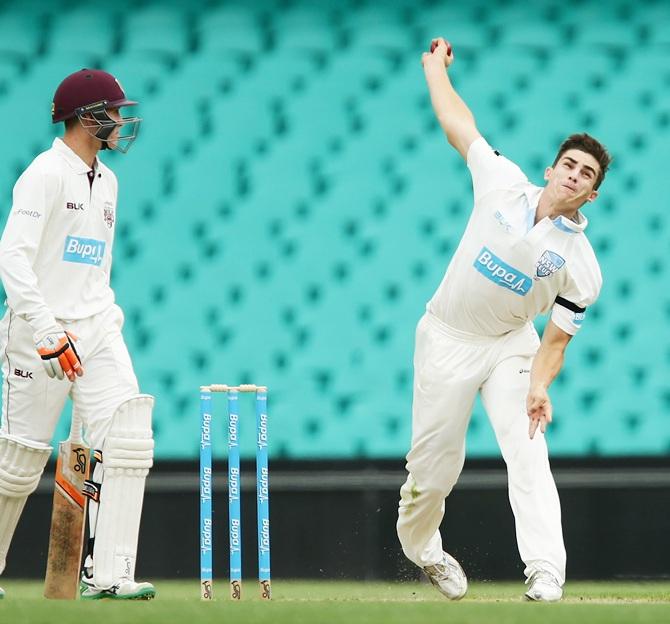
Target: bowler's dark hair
{"points": [[586, 143]]}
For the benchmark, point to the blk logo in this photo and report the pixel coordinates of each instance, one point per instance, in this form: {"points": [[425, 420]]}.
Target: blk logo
{"points": [[74, 206], [23, 374]]}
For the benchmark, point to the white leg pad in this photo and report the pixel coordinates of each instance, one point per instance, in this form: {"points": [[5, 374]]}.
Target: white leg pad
{"points": [[21, 465], [127, 455]]}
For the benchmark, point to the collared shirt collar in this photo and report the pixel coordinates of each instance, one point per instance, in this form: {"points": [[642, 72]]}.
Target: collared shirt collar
{"points": [[568, 225], [71, 158], [532, 194], [562, 223]]}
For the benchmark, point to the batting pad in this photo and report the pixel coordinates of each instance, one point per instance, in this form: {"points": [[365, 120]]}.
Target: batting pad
{"points": [[21, 466], [127, 455]]}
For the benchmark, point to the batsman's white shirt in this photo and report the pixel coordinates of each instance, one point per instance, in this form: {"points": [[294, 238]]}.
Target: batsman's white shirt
{"points": [[56, 250], [55, 263], [507, 270]]}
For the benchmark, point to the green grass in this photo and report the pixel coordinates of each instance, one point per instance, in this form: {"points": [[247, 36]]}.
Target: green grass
{"points": [[297, 602]]}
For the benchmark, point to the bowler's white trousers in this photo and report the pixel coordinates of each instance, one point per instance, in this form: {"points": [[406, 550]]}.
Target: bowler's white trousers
{"points": [[450, 367], [32, 401]]}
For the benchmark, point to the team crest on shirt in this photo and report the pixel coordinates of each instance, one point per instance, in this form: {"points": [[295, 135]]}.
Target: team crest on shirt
{"points": [[108, 214], [549, 263]]}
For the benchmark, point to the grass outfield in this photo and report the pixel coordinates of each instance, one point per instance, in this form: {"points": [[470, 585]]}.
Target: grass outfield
{"points": [[297, 602]]}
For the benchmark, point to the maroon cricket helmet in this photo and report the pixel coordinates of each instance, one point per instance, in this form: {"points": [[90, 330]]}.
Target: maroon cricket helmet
{"points": [[85, 87]]}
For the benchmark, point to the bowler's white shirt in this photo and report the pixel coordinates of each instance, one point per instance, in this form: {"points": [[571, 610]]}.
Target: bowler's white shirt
{"points": [[56, 250], [507, 270]]}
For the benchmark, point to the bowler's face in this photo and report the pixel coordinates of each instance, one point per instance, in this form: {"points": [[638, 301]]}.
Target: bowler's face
{"points": [[573, 178]]}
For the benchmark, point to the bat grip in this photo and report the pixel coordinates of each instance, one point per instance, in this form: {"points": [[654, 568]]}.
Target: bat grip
{"points": [[76, 427]]}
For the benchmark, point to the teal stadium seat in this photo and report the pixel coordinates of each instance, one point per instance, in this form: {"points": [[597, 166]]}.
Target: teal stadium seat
{"points": [[308, 29], [156, 29], [653, 17], [291, 203], [373, 32], [536, 36], [618, 36], [465, 25], [81, 30], [21, 34], [231, 29]]}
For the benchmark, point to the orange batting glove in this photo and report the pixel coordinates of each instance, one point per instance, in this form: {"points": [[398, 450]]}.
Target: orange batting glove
{"points": [[59, 355]]}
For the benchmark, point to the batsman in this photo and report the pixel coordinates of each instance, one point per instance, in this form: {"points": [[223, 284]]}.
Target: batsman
{"points": [[61, 335]]}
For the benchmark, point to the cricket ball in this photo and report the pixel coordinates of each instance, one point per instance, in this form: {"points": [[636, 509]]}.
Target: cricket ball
{"points": [[433, 45]]}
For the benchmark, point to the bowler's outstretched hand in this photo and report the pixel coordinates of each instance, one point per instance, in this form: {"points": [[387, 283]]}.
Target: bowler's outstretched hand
{"points": [[440, 49], [538, 406]]}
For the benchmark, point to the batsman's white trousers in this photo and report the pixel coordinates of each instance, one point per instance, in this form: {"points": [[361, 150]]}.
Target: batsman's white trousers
{"points": [[450, 367], [32, 401]]}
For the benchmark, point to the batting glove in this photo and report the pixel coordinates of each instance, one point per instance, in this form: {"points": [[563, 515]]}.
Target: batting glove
{"points": [[59, 355]]}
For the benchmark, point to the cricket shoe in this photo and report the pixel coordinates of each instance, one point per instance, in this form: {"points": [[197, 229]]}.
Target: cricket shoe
{"points": [[2, 593], [544, 587], [124, 590], [448, 577]]}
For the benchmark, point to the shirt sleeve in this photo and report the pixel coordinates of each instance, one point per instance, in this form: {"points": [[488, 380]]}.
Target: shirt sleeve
{"points": [[569, 310], [19, 246], [490, 171]]}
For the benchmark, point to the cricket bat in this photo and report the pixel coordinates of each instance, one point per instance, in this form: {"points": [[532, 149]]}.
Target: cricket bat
{"points": [[68, 516]]}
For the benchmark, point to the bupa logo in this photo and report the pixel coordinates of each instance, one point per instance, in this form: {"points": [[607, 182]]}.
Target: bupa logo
{"points": [[549, 263], [84, 250], [501, 273]]}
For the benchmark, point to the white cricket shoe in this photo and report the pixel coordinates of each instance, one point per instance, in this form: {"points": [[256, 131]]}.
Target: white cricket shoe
{"points": [[124, 590], [448, 577], [2, 593], [544, 587]]}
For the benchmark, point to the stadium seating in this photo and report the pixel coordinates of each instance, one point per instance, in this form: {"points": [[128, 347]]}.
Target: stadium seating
{"points": [[291, 203]]}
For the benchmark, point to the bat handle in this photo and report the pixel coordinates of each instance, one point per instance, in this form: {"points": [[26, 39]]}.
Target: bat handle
{"points": [[76, 427]]}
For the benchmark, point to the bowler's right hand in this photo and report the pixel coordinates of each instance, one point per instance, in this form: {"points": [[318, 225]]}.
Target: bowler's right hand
{"points": [[440, 50], [58, 353]]}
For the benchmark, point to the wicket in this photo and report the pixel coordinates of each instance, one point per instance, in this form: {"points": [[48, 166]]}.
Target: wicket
{"points": [[234, 490]]}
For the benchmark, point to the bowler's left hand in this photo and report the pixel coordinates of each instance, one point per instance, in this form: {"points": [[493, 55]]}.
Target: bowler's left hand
{"points": [[538, 406]]}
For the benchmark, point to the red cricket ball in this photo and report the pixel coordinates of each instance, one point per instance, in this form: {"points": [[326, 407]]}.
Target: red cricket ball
{"points": [[433, 45]]}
